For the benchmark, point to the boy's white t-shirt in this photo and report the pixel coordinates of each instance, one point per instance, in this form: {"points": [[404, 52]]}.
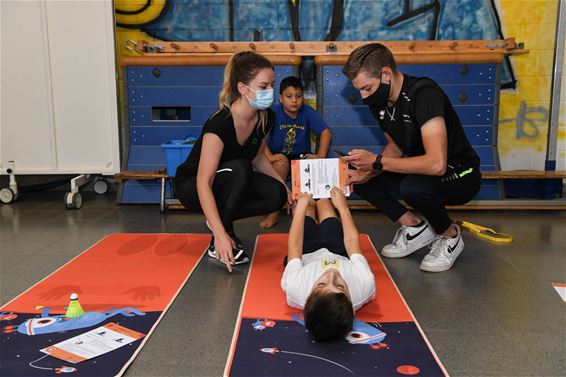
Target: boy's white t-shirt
{"points": [[300, 274]]}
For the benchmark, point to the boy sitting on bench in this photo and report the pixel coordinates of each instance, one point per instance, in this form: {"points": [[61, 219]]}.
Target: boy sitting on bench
{"points": [[326, 275]]}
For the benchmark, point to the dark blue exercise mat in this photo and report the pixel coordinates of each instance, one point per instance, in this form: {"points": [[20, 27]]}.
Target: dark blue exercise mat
{"points": [[92, 316], [271, 340]]}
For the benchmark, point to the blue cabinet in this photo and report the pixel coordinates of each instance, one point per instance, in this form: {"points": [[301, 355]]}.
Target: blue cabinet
{"points": [[473, 90], [171, 102], [165, 103]]}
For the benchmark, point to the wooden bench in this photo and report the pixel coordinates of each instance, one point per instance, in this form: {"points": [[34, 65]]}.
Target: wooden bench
{"points": [[505, 204], [519, 204], [144, 175], [524, 174], [514, 204]]}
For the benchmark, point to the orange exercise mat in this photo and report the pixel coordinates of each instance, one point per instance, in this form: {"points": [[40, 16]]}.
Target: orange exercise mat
{"points": [[125, 282], [270, 339]]}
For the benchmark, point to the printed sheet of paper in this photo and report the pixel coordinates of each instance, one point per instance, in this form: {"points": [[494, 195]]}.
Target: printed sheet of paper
{"points": [[93, 343], [561, 289], [318, 176]]}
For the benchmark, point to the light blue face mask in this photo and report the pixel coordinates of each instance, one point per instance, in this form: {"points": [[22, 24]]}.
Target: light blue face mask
{"points": [[263, 98]]}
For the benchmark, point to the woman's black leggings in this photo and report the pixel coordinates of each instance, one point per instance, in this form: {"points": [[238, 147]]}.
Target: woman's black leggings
{"points": [[239, 191], [426, 194]]}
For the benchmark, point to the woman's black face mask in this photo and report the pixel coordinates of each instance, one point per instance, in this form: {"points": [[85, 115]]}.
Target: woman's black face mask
{"points": [[379, 98]]}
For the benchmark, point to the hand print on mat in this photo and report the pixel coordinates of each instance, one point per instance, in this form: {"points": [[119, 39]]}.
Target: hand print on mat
{"points": [[59, 292], [137, 245], [143, 293], [173, 244]]}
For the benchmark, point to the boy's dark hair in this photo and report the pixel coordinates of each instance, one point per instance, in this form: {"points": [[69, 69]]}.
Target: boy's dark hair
{"points": [[370, 58], [290, 81], [328, 316]]}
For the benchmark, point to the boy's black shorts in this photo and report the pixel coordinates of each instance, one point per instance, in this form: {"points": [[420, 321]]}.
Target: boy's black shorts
{"points": [[327, 234]]}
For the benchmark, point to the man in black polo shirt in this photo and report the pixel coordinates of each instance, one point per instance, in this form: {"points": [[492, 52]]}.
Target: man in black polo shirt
{"points": [[427, 162]]}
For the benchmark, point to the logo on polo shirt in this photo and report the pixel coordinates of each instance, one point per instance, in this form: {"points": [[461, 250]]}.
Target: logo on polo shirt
{"points": [[331, 263]]}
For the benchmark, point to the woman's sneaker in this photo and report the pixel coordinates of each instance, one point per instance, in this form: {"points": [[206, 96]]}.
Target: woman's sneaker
{"points": [[211, 251], [409, 239], [443, 253], [240, 257], [236, 240]]}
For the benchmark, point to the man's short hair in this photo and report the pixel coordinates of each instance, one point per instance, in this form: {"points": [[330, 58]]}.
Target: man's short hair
{"points": [[328, 315], [370, 58], [290, 81]]}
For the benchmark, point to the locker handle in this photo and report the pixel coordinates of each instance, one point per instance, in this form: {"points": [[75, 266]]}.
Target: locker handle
{"points": [[156, 72], [352, 98], [463, 97], [464, 70]]}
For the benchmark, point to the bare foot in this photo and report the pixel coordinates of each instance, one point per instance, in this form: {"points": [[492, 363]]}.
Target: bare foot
{"points": [[270, 220]]}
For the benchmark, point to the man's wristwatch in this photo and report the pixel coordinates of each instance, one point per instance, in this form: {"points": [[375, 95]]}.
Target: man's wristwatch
{"points": [[377, 165]]}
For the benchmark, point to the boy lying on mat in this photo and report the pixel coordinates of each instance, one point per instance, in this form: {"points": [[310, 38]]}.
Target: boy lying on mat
{"points": [[326, 275]]}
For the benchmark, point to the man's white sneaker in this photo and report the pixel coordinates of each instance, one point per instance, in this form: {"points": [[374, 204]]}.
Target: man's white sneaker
{"points": [[409, 239], [443, 253]]}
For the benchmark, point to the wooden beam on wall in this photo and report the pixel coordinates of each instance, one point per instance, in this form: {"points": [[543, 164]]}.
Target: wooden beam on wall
{"points": [[327, 53], [315, 48], [198, 59]]}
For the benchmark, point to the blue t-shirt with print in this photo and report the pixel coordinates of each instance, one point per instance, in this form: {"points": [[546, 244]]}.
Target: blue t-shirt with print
{"points": [[291, 136]]}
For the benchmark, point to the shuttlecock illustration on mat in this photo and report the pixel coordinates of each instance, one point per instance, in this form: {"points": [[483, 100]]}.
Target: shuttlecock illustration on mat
{"points": [[75, 309]]}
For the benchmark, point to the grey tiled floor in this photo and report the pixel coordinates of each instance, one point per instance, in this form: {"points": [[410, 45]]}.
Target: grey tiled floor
{"points": [[494, 314]]}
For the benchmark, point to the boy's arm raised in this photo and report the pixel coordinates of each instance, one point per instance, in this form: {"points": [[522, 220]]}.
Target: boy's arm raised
{"points": [[296, 233], [351, 235]]}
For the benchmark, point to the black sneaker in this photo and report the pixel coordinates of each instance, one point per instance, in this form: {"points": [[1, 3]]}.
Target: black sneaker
{"points": [[240, 257], [211, 249], [236, 240]]}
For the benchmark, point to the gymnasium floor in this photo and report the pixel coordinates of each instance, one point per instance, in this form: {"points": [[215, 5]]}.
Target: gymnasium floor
{"points": [[494, 313]]}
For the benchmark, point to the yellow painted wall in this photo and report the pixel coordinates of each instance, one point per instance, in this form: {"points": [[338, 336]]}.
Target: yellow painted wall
{"points": [[524, 112]]}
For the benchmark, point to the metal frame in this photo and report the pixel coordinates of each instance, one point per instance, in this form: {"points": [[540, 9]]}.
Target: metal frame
{"points": [[555, 89]]}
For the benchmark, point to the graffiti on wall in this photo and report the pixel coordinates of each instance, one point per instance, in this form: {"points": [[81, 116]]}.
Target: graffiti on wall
{"points": [[343, 20], [529, 121], [314, 20]]}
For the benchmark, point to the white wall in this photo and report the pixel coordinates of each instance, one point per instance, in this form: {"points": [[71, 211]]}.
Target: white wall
{"points": [[26, 131], [59, 106]]}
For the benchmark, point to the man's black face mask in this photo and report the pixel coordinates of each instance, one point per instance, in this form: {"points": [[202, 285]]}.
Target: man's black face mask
{"points": [[379, 98]]}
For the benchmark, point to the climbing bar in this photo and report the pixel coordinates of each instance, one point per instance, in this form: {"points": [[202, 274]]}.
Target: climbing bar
{"points": [[452, 47]]}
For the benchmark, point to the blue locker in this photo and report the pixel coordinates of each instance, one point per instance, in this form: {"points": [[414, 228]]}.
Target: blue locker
{"points": [[458, 95], [151, 116], [146, 155], [358, 115], [441, 73], [165, 103], [173, 95], [175, 76], [480, 135], [160, 135], [473, 90], [361, 136]]}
